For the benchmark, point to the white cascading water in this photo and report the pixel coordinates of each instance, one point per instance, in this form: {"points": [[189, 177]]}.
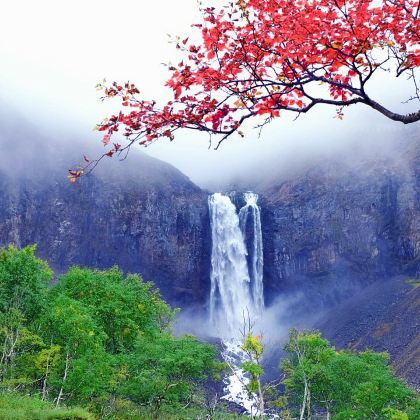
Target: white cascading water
{"points": [[230, 282], [236, 286], [247, 212]]}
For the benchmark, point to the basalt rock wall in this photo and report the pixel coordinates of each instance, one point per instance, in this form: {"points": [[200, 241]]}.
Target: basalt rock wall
{"points": [[337, 227], [145, 217]]}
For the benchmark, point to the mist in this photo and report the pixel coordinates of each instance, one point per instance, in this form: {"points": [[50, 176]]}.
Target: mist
{"points": [[284, 149], [317, 228], [47, 88]]}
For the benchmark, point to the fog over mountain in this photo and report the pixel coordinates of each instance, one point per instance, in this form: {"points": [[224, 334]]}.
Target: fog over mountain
{"points": [[284, 148], [48, 79]]}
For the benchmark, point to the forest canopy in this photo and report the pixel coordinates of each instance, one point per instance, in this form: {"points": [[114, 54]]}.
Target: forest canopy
{"points": [[97, 339], [99, 344]]}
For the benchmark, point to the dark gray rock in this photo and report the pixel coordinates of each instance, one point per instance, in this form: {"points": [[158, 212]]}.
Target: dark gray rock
{"points": [[341, 241], [336, 227], [144, 216], [382, 317], [330, 230]]}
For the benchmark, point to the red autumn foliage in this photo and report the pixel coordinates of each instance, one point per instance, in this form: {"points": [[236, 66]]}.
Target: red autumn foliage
{"points": [[264, 57]]}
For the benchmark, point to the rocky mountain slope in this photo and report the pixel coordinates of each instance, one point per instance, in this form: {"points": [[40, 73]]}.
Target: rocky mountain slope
{"points": [[328, 229], [382, 317], [331, 231], [341, 243], [143, 215], [336, 226]]}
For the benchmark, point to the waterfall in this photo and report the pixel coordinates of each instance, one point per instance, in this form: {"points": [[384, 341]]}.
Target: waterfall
{"points": [[236, 274], [250, 213], [230, 292], [236, 283]]}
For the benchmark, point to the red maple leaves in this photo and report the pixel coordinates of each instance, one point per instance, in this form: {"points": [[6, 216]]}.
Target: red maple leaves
{"points": [[263, 57]]}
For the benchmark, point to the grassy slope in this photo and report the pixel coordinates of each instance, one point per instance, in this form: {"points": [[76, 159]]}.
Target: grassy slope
{"points": [[21, 407]]}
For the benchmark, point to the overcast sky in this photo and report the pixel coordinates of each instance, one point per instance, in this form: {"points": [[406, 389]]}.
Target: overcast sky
{"points": [[54, 52]]}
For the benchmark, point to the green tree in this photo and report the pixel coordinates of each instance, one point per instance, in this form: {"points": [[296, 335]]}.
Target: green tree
{"points": [[81, 371], [364, 386], [45, 362], [122, 306], [97, 339], [342, 384], [19, 347], [164, 369], [254, 348], [23, 281]]}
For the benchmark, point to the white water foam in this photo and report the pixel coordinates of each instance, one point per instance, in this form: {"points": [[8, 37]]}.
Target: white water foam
{"points": [[230, 282], [250, 213]]}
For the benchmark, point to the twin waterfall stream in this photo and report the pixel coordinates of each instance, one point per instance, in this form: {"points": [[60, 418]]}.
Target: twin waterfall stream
{"points": [[236, 282]]}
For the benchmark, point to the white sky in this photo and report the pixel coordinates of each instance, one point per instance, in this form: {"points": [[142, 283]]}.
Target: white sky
{"points": [[54, 52]]}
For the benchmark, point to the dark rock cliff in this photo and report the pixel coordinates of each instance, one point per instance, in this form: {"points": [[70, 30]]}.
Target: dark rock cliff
{"points": [[143, 215], [327, 230], [330, 232], [382, 317], [341, 243], [337, 227]]}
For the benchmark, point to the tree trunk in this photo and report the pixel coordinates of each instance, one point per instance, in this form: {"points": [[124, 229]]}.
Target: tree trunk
{"points": [[66, 369], [308, 404], [260, 400], [156, 408], [305, 396], [44, 382]]}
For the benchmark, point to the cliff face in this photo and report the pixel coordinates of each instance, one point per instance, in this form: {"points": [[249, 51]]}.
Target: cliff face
{"points": [[328, 230], [384, 317], [337, 227], [146, 217]]}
